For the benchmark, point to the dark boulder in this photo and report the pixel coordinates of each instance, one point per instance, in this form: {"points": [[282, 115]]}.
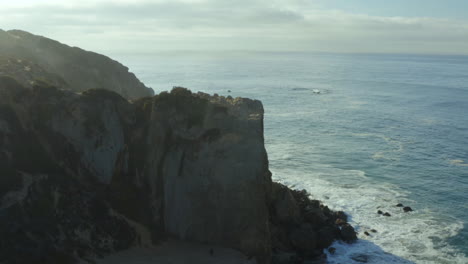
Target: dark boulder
{"points": [[279, 238], [340, 222], [348, 234], [326, 211], [314, 216], [387, 214], [285, 206], [327, 235], [407, 209], [304, 239], [341, 215], [399, 205]]}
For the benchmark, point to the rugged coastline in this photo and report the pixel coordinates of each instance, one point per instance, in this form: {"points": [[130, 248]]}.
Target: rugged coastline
{"points": [[86, 173]]}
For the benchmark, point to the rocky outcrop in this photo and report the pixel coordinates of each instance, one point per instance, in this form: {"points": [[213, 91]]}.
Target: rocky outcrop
{"points": [[79, 69], [87, 174], [302, 228]]}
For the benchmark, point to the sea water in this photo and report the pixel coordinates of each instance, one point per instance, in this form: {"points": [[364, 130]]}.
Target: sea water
{"points": [[361, 132]]}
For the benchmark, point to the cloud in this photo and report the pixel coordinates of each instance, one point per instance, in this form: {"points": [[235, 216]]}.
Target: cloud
{"points": [[233, 25]]}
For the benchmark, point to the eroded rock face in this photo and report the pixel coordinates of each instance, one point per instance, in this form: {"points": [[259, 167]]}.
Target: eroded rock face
{"points": [[25, 55], [87, 174], [215, 169]]}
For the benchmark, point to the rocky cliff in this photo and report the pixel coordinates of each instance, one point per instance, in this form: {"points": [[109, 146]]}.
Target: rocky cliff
{"points": [[86, 172], [74, 68], [84, 175]]}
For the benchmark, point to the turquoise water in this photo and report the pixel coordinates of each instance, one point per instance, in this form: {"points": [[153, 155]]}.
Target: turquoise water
{"points": [[360, 132]]}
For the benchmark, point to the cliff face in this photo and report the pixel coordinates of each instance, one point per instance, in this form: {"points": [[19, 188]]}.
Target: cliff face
{"points": [[80, 70], [213, 167], [87, 174]]}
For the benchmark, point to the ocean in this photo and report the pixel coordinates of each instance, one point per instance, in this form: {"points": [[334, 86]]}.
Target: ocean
{"points": [[361, 132]]}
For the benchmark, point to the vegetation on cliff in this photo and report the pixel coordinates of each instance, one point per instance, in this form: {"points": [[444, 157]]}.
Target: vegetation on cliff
{"points": [[28, 57]]}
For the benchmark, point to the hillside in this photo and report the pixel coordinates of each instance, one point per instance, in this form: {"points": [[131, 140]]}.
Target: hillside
{"points": [[80, 70]]}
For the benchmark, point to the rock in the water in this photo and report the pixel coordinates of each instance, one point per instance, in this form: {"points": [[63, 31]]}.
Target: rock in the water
{"points": [[387, 214], [379, 212], [399, 205], [373, 231], [366, 233], [407, 209], [348, 234], [316, 230]]}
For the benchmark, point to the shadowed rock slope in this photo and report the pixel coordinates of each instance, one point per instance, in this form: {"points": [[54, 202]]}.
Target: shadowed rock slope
{"points": [[77, 69], [86, 174]]}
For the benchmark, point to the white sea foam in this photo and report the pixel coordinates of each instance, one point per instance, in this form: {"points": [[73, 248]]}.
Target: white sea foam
{"points": [[416, 237], [459, 162], [395, 147]]}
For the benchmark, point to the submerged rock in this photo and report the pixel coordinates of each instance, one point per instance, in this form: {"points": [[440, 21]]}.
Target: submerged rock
{"points": [[407, 209]]}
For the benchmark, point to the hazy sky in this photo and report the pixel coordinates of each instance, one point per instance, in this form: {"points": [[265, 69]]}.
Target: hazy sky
{"points": [[401, 26]]}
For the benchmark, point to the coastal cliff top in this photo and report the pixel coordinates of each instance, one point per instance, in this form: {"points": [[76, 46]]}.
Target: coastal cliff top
{"points": [[72, 67]]}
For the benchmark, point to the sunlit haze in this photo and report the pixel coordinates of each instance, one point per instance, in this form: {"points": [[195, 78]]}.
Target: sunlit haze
{"points": [[418, 26]]}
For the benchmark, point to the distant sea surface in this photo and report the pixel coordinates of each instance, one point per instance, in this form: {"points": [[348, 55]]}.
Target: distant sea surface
{"points": [[360, 132]]}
